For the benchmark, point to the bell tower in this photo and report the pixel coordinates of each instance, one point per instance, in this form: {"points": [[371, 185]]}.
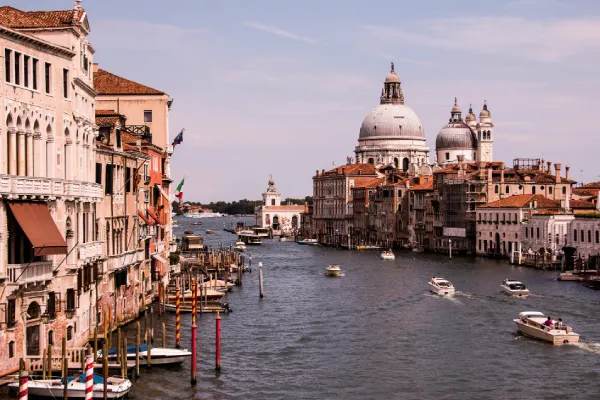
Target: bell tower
{"points": [[485, 135], [271, 197]]}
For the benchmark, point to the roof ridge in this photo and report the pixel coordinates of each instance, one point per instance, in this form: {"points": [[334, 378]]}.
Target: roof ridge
{"points": [[125, 86]]}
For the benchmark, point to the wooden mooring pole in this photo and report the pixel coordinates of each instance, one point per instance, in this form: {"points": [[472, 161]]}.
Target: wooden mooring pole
{"points": [[105, 369], [218, 342], [65, 366], [194, 315], [137, 348], [260, 280], [177, 318], [23, 381]]}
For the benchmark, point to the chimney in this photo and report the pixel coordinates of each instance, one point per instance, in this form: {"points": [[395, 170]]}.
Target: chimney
{"points": [[598, 201], [557, 167], [548, 165], [567, 168], [502, 176]]}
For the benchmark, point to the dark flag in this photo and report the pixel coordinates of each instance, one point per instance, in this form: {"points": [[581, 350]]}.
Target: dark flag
{"points": [[178, 139]]}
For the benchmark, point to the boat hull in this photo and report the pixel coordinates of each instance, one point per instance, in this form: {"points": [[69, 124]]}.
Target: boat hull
{"points": [[515, 293], [441, 291], [53, 389], [554, 336]]}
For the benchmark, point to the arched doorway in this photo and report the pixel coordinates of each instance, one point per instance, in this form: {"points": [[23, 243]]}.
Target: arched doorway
{"points": [[295, 222], [396, 162], [405, 164], [276, 222], [32, 332]]}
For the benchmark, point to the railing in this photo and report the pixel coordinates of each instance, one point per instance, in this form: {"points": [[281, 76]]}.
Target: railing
{"points": [[90, 251], [119, 261], [24, 274], [39, 186]]}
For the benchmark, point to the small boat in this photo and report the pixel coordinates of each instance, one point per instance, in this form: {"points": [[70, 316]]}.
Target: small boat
{"points": [[209, 231], [539, 326], [514, 288], [334, 270], [158, 355], [441, 286], [197, 223], [239, 246], [117, 388], [361, 247], [388, 255], [308, 241]]}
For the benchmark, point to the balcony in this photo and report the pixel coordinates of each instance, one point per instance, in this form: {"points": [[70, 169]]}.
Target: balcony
{"points": [[30, 273], [40, 187], [89, 252], [122, 260]]}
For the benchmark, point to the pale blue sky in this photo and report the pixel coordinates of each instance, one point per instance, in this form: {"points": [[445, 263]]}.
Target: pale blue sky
{"points": [[281, 87]]}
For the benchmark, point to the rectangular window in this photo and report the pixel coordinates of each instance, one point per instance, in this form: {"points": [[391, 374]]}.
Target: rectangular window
{"points": [[590, 236], [11, 313], [147, 115], [582, 236], [51, 307], [108, 187], [99, 173], [118, 137], [574, 235], [47, 76], [7, 63], [70, 299], [17, 68], [128, 184], [34, 71], [65, 83], [26, 71], [597, 237]]}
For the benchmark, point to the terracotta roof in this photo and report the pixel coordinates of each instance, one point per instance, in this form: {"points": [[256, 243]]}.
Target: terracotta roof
{"points": [[17, 19], [581, 204], [424, 186], [367, 182], [290, 208], [106, 83], [584, 191], [523, 200], [591, 185], [108, 117], [352, 169]]}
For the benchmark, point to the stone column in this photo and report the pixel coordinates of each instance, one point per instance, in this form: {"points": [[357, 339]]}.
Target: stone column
{"points": [[39, 156], [21, 165], [12, 151], [29, 161], [68, 162], [50, 157]]}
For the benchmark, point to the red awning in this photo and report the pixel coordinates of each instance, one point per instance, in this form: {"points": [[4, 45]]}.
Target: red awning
{"points": [[145, 219], [39, 227], [153, 215]]}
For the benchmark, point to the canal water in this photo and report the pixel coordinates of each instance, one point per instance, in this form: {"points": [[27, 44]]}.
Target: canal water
{"points": [[377, 333]]}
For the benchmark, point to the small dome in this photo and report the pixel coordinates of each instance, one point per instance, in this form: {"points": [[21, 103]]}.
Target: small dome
{"points": [[485, 113], [455, 107], [456, 136], [392, 119], [470, 116], [392, 77]]}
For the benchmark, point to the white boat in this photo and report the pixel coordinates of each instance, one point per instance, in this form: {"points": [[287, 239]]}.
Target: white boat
{"points": [[539, 326], [117, 388], [334, 270], [441, 286], [240, 246], [158, 355], [514, 288], [387, 255], [309, 242]]}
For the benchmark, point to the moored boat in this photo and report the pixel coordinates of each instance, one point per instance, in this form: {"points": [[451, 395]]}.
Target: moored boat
{"points": [[539, 326], [117, 388], [240, 246], [441, 286], [514, 288], [387, 255], [159, 355], [333, 270], [308, 241]]}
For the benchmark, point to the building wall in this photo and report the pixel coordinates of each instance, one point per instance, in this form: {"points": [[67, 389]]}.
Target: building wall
{"points": [[587, 238]]}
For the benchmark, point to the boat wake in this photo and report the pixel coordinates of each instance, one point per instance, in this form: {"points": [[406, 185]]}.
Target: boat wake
{"points": [[452, 298], [590, 347], [463, 294]]}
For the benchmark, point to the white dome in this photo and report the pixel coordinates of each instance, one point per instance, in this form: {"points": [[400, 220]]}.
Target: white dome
{"points": [[391, 120], [456, 136]]}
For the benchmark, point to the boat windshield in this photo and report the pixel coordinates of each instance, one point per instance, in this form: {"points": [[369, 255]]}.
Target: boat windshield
{"points": [[517, 286], [443, 283]]}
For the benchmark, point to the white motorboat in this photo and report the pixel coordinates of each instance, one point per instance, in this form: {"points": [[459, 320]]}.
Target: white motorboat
{"points": [[441, 286], [308, 241], [539, 326], [514, 288], [117, 388], [334, 270], [388, 255], [240, 246], [158, 355]]}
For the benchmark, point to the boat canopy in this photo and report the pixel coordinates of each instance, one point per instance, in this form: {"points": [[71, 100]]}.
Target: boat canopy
{"points": [[527, 314]]}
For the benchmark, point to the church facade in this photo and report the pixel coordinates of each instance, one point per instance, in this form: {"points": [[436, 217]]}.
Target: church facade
{"points": [[281, 219]]}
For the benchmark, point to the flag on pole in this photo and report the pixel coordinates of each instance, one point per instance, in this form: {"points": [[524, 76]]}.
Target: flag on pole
{"points": [[179, 193], [178, 139]]}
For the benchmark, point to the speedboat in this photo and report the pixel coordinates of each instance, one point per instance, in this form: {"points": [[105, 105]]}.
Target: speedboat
{"points": [[514, 288], [117, 388], [240, 246], [441, 286], [539, 326], [334, 270], [158, 355], [308, 241], [388, 255], [209, 231]]}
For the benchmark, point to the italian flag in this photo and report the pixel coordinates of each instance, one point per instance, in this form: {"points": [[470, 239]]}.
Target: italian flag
{"points": [[179, 193]]}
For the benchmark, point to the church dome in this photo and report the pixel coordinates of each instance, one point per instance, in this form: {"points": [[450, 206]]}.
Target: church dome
{"points": [[456, 136], [392, 120]]}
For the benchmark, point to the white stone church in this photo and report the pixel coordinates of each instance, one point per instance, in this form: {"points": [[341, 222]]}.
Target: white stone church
{"points": [[282, 219]]}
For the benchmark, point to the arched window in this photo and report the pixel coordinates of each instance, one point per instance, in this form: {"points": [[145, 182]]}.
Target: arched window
{"points": [[33, 311], [295, 222], [533, 189], [69, 332], [396, 162], [371, 160], [496, 189], [405, 164], [50, 337], [11, 349], [564, 190], [507, 189], [275, 222]]}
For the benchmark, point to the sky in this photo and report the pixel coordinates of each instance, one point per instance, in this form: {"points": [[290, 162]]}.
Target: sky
{"points": [[281, 87]]}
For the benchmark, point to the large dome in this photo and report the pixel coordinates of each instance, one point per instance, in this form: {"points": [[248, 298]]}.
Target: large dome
{"points": [[391, 120], [456, 136]]}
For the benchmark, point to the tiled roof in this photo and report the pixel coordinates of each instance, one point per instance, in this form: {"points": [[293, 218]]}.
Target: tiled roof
{"points": [[367, 182], [17, 19], [584, 191], [106, 83], [353, 169], [591, 185], [108, 117], [581, 205], [523, 200], [289, 208], [424, 186]]}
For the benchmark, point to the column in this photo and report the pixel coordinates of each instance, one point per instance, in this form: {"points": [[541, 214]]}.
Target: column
{"points": [[21, 154], [29, 161], [12, 151], [39, 156], [50, 157], [67, 157]]}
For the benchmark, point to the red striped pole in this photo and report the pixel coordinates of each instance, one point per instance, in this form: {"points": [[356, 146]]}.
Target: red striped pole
{"points": [[218, 342], [177, 318], [89, 377], [23, 381], [194, 327]]}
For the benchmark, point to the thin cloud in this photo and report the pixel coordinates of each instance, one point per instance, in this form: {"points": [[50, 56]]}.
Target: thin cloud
{"points": [[273, 30], [541, 40]]}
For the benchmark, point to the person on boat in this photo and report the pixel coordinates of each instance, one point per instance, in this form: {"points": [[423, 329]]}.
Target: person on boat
{"points": [[549, 322], [560, 324]]}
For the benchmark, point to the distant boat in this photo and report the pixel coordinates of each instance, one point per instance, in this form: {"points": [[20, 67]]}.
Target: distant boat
{"points": [[514, 288], [387, 255], [209, 231], [334, 271], [441, 286], [204, 215], [159, 355], [309, 242], [240, 246]]}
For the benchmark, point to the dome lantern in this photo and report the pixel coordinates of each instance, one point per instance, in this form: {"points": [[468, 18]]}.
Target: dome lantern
{"points": [[392, 91]]}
